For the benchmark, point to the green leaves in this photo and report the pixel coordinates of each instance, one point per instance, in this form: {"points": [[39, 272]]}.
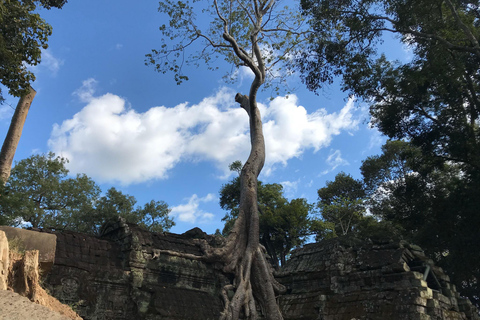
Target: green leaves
{"points": [[432, 100], [431, 203], [153, 216], [341, 203], [232, 30], [284, 224], [39, 192], [22, 36]]}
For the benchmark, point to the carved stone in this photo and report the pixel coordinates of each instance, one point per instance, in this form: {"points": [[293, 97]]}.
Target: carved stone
{"points": [[123, 275]]}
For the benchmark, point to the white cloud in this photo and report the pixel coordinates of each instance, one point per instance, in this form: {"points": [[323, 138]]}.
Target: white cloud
{"points": [[110, 142], [190, 212], [6, 111], [376, 139], [289, 130], [48, 62], [408, 48], [335, 160], [86, 91], [290, 187]]}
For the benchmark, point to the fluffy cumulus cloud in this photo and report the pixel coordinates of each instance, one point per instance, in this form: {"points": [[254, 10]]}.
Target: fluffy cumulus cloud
{"points": [[112, 142], [290, 187], [290, 130], [190, 211]]}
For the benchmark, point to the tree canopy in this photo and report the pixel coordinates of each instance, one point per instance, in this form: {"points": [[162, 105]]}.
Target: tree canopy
{"points": [[40, 193], [433, 99], [279, 30], [23, 34], [426, 181], [341, 203], [434, 206]]}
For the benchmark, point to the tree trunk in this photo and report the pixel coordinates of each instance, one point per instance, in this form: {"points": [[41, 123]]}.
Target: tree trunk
{"points": [[14, 133], [243, 255]]}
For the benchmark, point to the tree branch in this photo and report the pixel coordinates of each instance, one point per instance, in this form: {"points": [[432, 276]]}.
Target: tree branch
{"points": [[465, 29]]}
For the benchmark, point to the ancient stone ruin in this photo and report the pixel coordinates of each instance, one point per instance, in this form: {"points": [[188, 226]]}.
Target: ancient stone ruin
{"points": [[122, 275], [21, 295], [346, 279]]}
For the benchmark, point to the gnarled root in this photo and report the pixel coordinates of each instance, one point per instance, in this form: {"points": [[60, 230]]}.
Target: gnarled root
{"points": [[254, 283]]}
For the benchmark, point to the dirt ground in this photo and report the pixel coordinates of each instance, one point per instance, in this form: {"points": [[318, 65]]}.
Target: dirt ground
{"points": [[23, 282], [15, 307]]}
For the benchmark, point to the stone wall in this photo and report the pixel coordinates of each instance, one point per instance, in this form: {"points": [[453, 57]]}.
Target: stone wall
{"points": [[122, 275], [344, 279], [26, 240]]}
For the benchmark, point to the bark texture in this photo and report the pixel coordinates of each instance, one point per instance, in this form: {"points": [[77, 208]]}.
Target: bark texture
{"points": [[254, 287], [14, 133], [243, 255]]}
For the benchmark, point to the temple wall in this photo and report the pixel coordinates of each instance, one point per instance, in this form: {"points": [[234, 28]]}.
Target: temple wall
{"points": [[122, 275]]}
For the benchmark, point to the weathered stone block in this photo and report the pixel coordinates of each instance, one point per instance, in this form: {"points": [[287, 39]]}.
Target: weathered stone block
{"points": [[4, 261], [123, 275], [45, 243], [371, 290]]}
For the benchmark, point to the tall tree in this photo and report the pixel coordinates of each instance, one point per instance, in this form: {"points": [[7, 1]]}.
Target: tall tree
{"points": [[260, 35], [14, 133], [433, 100], [23, 33], [434, 205], [153, 216], [397, 182], [40, 193], [284, 224], [341, 203]]}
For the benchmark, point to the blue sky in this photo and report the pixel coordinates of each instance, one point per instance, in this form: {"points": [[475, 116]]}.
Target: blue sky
{"points": [[127, 126]]}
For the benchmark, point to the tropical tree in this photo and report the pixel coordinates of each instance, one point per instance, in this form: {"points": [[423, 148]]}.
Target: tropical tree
{"points": [[393, 181], [23, 33], [432, 100], [262, 36], [435, 206], [341, 203], [286, 228], [22, 37], [40, 193], [153, 216], [284, 224]]}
